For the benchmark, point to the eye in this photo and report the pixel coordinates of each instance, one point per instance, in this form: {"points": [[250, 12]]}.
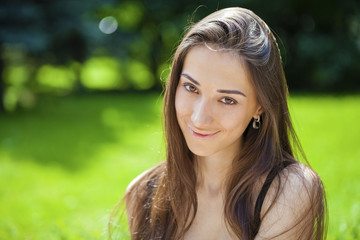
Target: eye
{"points": [[228, 101], [190, 87]]}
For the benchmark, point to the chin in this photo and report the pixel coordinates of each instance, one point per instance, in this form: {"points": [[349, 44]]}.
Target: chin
{"points": [[201, 152]]}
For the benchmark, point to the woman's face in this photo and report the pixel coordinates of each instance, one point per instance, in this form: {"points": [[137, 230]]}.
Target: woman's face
{"points": [[215, 101]]}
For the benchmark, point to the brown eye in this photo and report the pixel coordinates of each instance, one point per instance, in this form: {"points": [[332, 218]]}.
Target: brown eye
{"points": [[228, 101], [190, 88]]}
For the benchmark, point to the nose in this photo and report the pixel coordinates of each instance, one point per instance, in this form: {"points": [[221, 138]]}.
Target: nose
{"points": [[202, 113]]}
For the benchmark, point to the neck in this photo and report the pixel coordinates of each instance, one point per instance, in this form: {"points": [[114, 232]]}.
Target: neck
{"points": [[212, 172]]}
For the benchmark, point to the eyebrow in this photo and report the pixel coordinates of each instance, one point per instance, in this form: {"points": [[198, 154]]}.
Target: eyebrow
{"points": [[190, 78], [219, 90], [231, 92]]}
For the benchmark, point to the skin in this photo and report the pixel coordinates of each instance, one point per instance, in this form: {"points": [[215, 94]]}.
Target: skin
{"points": [[213, 121], [215, 101]]}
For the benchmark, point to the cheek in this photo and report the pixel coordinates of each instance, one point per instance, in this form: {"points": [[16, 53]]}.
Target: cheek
{"points": [[236, 122], [181, 103]]}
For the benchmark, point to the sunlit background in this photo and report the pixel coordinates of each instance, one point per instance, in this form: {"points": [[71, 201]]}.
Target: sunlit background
{"points": [[80, 104]]}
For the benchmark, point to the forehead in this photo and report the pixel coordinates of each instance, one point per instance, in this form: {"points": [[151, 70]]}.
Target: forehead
{"points": [[208, 64]]}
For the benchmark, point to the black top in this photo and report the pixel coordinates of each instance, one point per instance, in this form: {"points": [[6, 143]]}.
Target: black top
{"points": [[260, 200]]}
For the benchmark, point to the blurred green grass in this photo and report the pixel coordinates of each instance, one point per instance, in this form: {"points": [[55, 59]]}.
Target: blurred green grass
{"points": [[64, 164]]}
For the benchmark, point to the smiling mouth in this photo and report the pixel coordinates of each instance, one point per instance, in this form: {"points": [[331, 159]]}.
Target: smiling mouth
{"points": [[201, 135]]}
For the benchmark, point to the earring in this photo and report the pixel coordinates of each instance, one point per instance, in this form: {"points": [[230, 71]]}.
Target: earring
{"points": [[256, 123]]}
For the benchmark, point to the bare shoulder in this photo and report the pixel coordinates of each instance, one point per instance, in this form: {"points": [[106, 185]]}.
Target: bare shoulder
{"points": [[295, 182], [298, 178], [139, 190], [136, 181], [139, 183], [291, 204]]}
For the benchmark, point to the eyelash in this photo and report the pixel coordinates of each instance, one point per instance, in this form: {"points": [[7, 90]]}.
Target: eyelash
{"points": [[195, 90], [233, 101], [188, 86]]}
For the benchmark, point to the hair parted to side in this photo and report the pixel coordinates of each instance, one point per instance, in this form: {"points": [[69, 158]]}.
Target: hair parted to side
{"points": [[164, 200]]}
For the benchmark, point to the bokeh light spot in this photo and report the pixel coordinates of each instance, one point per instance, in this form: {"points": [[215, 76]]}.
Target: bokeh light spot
{"points": [[108, 25], [102, 73]]}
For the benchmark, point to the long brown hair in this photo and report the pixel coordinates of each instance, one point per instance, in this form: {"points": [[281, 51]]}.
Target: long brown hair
{"points": [[164, 201]]}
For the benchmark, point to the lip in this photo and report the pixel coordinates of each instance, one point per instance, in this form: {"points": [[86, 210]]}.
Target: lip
{"points": [[201, 135]]}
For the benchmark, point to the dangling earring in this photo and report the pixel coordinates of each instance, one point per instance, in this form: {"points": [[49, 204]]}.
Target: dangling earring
{"points": [[256, 123]]}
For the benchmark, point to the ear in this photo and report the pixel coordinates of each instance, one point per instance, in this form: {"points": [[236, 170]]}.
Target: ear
{"points": [[258, 112]]}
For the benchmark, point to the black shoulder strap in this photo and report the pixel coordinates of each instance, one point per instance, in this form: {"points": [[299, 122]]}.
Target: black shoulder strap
{"points": [[260, 200]]}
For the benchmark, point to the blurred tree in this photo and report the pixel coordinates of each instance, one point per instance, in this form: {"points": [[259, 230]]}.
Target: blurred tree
{"points": [[45, 32], [2, 87], [319, 41]]}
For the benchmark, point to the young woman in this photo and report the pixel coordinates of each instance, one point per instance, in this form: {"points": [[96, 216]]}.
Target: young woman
{"points": [[230, 170]]}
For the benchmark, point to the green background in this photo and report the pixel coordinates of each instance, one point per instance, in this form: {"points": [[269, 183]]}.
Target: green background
{"points": [[80, 110], [67, 162]]}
